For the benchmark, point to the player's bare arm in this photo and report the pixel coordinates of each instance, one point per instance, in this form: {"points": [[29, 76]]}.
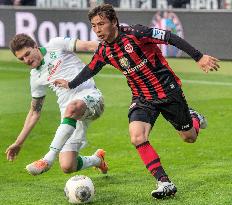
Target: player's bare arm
{"points": [[31, 120], [86, 45], [36, 104]]}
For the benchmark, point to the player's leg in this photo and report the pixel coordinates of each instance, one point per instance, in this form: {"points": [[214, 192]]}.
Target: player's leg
{"points": [[189, 121], [87, 105], [142, 118], [198, 122], [74, 111], [71, 162], [186, 122]]}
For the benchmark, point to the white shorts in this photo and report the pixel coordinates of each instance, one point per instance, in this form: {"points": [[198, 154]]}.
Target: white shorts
{"points": [[95, 107]]}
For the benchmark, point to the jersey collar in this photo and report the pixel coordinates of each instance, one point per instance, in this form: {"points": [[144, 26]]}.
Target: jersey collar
{"points": [[43, 50]]}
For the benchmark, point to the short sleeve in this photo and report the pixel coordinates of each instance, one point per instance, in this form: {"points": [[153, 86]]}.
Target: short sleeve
{"points": [[63, 43], [37, 90]]}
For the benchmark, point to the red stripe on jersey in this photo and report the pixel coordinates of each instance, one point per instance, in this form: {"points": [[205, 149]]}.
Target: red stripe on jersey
{"points": [[133, 75], [144, 69], [175, 76], [133, 88], [120, 54], [109, 55], [96, 58], [165, 63]]}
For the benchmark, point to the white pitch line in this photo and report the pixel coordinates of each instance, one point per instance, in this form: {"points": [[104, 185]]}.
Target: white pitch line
{"points": [[207, 82], [183, 80]]}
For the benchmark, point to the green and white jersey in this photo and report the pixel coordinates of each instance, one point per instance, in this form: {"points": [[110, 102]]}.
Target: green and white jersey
{"points": [[59, 62]]}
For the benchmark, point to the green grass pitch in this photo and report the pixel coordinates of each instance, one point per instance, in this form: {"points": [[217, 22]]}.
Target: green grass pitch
{"points": [[201, 171]]}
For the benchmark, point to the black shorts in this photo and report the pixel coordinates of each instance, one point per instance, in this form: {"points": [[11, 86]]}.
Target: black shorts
{"points": [[174, 109]]}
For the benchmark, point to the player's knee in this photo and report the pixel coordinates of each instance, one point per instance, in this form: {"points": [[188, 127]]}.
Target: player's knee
{"points": [[67, 168], [190, 139], [75, 109], [70, 110], [137, 139]]}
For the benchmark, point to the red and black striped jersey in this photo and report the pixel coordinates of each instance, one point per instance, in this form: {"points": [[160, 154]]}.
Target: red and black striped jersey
{"points": [[136, 54]]}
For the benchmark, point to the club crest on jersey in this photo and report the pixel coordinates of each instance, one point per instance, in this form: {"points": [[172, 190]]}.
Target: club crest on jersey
{"points": [[110, 56], [129, 48], [124, 62]]}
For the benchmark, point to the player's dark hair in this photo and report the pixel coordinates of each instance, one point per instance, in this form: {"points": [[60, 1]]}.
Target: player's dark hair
{"points": [[104, 10], [21, 41]]}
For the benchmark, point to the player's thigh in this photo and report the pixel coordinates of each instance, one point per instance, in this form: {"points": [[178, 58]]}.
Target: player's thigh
{"points": [[176, 111], [142, 116], [142, 110]]}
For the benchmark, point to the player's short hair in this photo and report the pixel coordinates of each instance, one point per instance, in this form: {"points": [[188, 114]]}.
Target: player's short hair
{"points": [[106, 10], [21, 41]]}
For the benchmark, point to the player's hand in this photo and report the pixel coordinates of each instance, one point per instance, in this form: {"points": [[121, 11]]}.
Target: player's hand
{"points": [[208, 63], [12, 151], [61, 83]]}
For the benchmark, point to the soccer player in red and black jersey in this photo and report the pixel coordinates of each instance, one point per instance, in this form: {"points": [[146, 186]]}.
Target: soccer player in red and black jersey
{"points": [[155, 87]]}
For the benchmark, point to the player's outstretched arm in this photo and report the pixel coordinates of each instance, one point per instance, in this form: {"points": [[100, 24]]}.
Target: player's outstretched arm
{"points": [[84, 75], [86, 45], [31, 120], [207, 63]]}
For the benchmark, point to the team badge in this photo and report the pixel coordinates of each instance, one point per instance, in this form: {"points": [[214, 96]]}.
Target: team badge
{"points": [[124, 63], [129, 48]]}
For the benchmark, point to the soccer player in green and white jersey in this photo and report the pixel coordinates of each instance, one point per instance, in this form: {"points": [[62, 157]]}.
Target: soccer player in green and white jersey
{"points": [[78, 107]]}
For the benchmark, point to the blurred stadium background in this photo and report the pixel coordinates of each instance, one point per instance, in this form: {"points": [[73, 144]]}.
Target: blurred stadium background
{"points": [[201, 171]]}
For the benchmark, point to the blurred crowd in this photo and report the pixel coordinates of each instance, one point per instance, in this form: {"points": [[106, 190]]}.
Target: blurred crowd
{"points": [[18, 2], [124, 4]]}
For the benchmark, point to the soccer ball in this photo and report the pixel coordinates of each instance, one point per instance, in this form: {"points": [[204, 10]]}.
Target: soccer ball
{"points": [[79, 189]]}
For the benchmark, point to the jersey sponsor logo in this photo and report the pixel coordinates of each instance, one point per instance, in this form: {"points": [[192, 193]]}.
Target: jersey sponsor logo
{"points": [[167, 21], [50, 66], [129, 48], [158, 34], [52, 69], [136, 68], [124, 62]]}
